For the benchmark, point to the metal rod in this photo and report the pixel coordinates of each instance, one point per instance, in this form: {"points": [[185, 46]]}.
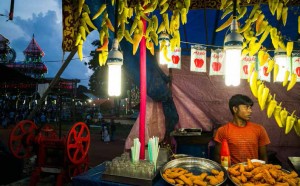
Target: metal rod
{"points": [[53, 82]]}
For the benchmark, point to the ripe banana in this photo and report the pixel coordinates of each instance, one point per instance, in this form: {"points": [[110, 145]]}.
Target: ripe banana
{"points": [[88, 21], [79, 50], [260, 93], [265, 34], [128, 37], [279, 11], [227, 11], [262, 27], [100, 11], [82, 33], [254, 10], [245, 27], [284, 15], [225, 24], [292, 81], [271, 63], [259, 21], [298, 24], [297, 127], [275, 72], [164, 8], [290, 121]]}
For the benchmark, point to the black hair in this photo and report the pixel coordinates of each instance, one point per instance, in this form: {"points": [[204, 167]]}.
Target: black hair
{"points": [[239, 99]]}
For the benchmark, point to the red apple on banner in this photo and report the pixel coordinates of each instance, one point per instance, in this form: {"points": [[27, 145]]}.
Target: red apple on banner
{"points": [[245, 69], [216, 66], [175, 59], [265, 70], [298, 71], [198, 62]]}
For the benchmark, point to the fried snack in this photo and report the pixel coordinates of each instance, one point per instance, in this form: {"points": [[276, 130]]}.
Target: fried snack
{"points": [[179, 181], [242, 168], [215, 172], [263, 175], [203, 176], [213, 180], [170, 180], [186, 180], [250, 164], [200, 182]]}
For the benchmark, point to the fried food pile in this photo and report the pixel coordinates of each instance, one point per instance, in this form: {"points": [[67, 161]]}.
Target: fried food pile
{"points": [[255, 173], [180, 176]]}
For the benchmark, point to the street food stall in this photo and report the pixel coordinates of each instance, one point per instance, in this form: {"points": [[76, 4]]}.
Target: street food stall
{"points": [[190, 90]]}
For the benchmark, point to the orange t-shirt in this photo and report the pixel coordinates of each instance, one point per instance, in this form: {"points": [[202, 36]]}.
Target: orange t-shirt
{"points": [[244, 141]]}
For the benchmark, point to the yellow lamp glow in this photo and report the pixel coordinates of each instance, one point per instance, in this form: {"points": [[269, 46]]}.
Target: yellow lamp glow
{"points": [[114, 62]]}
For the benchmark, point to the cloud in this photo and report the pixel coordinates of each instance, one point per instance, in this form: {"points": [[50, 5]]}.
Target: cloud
{"points": [[44, 20]]}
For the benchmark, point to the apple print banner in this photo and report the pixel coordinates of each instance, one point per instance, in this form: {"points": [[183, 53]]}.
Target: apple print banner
{"points": [[263, 74], [245, 66], [198, 58], [296, 65], [216, 62], [176, 59]]}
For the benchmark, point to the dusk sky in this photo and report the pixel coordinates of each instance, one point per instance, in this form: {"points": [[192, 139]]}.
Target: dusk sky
{"points": [[44, 20]]}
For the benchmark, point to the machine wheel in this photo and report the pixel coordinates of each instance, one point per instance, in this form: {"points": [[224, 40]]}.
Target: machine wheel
{"points": [[75, 170], [48, 130], [21, 139], [78, 143]]}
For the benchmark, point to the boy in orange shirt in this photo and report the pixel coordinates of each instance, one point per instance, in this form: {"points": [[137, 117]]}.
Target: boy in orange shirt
{"points": [[246, 140]]}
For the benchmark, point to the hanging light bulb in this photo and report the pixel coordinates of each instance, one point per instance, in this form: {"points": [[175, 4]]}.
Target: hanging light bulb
{"points": [[114, 62], [233, 45], [282, 60], [164, 48]]}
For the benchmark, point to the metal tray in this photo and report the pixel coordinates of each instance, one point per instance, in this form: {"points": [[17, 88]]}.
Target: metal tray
{"points": [[195, 165]]}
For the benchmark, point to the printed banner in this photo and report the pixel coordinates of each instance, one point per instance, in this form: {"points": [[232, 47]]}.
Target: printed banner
{"points": [[263, 73], [216, 62], [296, 65], [247, 65], [198, 58], [284, 64], [176, 59]]}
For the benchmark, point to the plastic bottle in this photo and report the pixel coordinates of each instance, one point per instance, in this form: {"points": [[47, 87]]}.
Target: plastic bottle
{"points": [[225, 154]]}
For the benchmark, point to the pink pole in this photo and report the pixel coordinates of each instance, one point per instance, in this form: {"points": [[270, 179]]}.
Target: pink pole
{"points": [[143, 93]]}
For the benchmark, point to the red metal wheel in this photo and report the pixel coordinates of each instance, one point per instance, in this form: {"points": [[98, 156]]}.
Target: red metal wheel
{"points": [[75, 170], [78, 143], [21, 139]]}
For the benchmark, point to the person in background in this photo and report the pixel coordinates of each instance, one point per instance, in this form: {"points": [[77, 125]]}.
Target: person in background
{"points": [[246, 140]]}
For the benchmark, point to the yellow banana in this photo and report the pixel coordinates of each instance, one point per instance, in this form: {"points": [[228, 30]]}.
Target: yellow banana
{"points": [[187, 4], [274, 37], [109, 25], [248, 34], [100, 11], [161, 28], [283, 116], [279, 10], [133, 26], [274, 6], [154, 22], [271, 63], [260, 56], [150, 8], [289, 48], [183, 13], [154, 37], [150, 46], [254, 47], [251, 66], [256, 15], [223, 3], [225, 24], [80, 6], [276, 115], [136, 41], [276, 70], [284, 15], [292, 81], [290, 121], [264, 97], [86, 8], [265, 34], [83, 23], [253, 83], [162, 2], [78, 39], [286, 78], [271, 107]]}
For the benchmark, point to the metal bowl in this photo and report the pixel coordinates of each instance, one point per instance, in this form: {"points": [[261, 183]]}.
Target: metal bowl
{"points": [[195, 165]]}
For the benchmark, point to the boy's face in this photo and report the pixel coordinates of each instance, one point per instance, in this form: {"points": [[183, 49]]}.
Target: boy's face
{"points": [[243, 112]]}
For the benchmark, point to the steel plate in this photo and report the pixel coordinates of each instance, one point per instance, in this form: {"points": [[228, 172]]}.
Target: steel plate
{"points": [[195, 165]]}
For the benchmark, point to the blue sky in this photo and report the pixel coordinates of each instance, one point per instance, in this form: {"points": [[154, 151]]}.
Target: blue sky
{"points": [[44, 20]]}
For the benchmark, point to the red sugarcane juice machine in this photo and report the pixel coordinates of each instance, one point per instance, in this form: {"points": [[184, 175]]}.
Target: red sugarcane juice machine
{"points": [[65, 157]]}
